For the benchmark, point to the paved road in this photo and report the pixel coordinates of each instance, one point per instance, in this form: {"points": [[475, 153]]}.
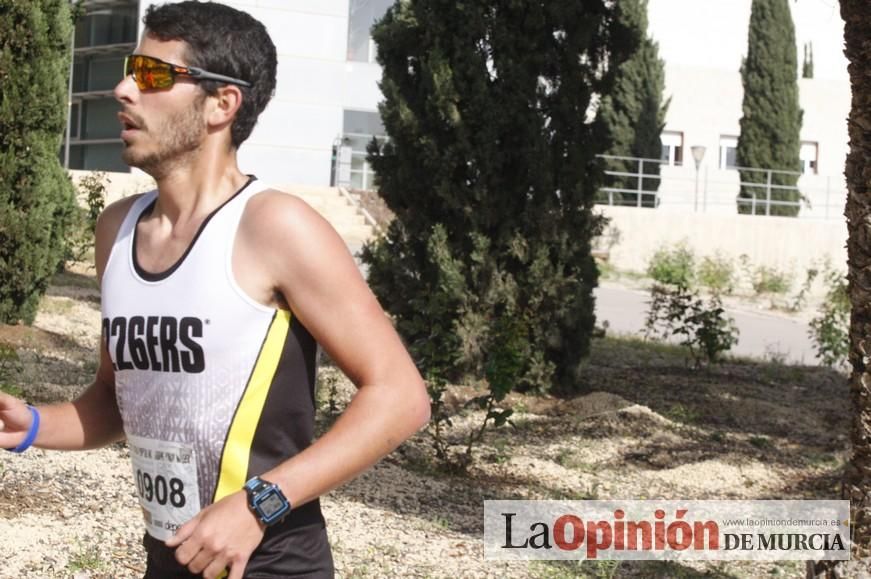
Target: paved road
{"points": [[761, 334]]}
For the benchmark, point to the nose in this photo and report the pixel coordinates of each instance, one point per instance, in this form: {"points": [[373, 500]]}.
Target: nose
{"points": [[126, 90]]}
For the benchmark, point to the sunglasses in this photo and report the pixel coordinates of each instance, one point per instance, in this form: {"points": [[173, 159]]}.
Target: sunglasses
{"points": [[152, 73]]}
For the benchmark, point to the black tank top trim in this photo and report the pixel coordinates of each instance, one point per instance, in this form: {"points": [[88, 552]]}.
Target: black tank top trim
{"points": [[160, 276]]}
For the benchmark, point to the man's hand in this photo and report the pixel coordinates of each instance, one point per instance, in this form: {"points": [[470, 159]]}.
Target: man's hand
{"points": [[221, 535], [15, 420]]}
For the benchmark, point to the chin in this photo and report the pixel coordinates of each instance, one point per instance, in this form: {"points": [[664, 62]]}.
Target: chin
{"points": [[143, 162]]}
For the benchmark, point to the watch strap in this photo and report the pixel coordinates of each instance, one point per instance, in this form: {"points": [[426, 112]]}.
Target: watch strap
{"points": [[254, 485]]}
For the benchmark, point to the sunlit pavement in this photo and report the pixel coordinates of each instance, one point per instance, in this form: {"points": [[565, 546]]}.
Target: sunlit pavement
{"points": [[762, 335]]}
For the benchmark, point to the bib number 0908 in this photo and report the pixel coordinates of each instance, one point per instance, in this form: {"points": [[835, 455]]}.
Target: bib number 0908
{"points": [[158, 489]]}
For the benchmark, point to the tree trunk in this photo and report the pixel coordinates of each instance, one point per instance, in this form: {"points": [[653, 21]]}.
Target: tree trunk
{"points": [[857, 479]]}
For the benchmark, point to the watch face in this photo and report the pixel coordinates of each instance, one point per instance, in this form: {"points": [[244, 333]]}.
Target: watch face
{"points": [[271, 505]]}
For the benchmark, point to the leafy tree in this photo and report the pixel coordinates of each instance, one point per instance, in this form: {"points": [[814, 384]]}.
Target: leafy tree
{"points": [[490, 169], [632, 114], [771, 123], [36, 196]]}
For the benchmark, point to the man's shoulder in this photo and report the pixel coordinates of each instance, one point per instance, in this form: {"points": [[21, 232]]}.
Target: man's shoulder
{"points": [[120, 207], [276, 222], [276, 197], [277, 208], [108, 224], [113, 215]]}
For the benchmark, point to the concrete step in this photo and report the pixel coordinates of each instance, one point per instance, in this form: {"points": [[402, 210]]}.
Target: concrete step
{"points": [[325, 197], [339, 220], [328, 204], [358, 232], [313, 190]]}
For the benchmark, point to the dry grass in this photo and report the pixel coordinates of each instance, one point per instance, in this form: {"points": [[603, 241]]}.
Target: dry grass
{"points": [[645, 425]]}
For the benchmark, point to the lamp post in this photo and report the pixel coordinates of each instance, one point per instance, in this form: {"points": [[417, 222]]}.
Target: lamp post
{"points": [[698, 155]]}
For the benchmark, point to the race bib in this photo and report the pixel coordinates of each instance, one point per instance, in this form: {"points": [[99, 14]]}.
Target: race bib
{"points": [[166, 483]]}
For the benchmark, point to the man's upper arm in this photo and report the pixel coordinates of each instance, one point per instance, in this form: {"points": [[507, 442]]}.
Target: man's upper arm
{"points": [[108, 224], [316, 274]]}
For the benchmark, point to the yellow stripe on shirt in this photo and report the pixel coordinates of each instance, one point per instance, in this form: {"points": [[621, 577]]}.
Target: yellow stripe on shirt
{"points": [[237, 450]]}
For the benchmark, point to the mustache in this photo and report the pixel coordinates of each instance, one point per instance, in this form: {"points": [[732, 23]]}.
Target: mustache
{"points": [[138, 121]]}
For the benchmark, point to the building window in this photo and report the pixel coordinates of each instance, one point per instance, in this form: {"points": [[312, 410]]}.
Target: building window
{"points": [[97, 157], [115, 24], [672, 147], [104, 35], [75, 120], [351, 168], [728, 152], [363, 14], [809, 157], [96, 72]]}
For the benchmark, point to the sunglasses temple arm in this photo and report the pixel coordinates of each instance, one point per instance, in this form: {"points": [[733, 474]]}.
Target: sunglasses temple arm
{"points": [[203, 75]]}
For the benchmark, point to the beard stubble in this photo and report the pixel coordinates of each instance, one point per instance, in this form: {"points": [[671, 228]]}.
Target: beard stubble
{"points": [[177, 137]]}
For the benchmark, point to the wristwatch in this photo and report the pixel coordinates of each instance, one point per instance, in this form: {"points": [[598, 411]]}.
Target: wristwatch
{"points": [[266, 501]]}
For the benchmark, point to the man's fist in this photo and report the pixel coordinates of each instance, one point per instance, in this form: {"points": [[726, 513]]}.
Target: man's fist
{"points": [[15, 421]]}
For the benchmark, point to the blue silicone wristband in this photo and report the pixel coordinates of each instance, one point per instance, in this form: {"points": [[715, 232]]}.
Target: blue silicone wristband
{"points": [[31, 434]]}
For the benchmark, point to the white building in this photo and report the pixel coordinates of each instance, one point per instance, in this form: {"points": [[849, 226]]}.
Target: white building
{"points": [[703, 43], [327, 94]]}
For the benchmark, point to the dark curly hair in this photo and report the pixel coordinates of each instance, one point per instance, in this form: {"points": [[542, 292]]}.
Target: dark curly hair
{"points": [[225, 41]]}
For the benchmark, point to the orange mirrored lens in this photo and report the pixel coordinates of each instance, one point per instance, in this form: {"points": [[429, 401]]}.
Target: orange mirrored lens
{"points": [[148, 73]]}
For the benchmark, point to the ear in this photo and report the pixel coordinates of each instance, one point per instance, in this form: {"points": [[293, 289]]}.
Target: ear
{"points": [[223, 106]]}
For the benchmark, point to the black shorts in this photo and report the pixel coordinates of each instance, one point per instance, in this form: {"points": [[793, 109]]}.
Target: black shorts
{"points": [[297, 547]]}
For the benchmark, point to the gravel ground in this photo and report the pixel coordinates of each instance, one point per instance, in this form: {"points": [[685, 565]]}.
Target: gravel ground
{"points": [[651, 428]]}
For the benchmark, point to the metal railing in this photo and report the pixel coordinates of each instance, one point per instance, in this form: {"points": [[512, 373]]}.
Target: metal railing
{"points": [[629, 183], [639, 191], [768, 186]]}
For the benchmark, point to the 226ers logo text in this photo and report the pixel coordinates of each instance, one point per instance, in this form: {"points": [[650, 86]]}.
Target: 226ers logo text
{"points": [[158, 343]]}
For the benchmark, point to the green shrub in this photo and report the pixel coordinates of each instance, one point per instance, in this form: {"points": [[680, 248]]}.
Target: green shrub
{"points": [[673, 266], [702, 326], [80, 241], [36, 196], [830, 329], [717, 273], [770, 280]]}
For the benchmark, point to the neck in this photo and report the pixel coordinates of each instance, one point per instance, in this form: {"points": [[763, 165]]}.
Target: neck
{"points": [[194, 187]]}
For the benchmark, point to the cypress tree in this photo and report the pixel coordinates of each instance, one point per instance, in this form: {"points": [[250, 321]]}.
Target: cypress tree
{"points": [[771, 123], [36, 195], [632, 115], [490, 169]]}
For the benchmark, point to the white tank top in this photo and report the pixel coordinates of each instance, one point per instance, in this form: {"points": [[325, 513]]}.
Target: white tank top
{"points": [[206, 378]]}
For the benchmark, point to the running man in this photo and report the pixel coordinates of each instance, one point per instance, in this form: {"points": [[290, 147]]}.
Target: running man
{"points": [[216, 291]]}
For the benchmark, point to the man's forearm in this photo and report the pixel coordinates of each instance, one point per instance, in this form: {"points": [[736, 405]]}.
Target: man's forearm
{"points": [[91, 421], [368, 430]]}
